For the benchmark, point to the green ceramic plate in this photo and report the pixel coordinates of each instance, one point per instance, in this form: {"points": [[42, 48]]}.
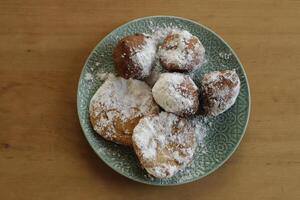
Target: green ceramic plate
{"points": [[225, 132]]}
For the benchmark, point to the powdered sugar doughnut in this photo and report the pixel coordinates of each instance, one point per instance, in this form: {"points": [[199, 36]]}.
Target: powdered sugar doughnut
{"points": [[219, 91], [176, 93], [181, 52], [117, 107], [164, 144], [134, 56]]}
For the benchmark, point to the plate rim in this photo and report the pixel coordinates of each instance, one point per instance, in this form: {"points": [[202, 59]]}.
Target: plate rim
{"points": [[239, 62]]}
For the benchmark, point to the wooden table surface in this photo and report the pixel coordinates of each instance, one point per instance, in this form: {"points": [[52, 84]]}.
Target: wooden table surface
{"points": [[43, 46]]}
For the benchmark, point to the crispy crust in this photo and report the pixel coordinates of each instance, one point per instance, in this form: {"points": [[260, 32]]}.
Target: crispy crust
{"points": [[123, 130], [122, 53]]}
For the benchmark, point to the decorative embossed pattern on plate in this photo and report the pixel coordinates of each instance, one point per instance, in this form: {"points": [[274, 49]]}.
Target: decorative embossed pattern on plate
{"points": [[225, 132]]}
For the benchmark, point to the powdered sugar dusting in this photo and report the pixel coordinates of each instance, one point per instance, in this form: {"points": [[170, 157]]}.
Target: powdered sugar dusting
{"points": [[177, 52], [169, 93], [159, 34], [118, 98], [103, 76], [144, 55], [156, 134], [165, 143], [157, 70], [201, 125], [220, 90], [123, 95], [88, 77]]}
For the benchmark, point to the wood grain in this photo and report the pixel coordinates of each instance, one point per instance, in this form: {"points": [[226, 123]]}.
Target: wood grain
{"points": [[43, 46]]}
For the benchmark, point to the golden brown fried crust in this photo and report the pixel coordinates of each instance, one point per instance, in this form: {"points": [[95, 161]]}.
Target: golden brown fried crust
{"points": [[123, 129], [122, 56]]}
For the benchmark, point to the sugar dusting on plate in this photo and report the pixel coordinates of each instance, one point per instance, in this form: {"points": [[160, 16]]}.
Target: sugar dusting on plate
{"points": [[157, 36], [88, 77]]}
